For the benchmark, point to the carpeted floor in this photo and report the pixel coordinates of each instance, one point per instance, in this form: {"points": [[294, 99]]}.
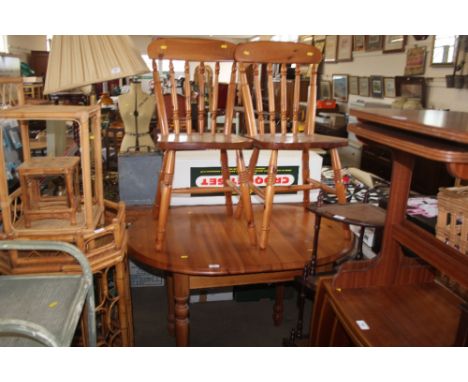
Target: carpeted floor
{"points": [[217, 323]]}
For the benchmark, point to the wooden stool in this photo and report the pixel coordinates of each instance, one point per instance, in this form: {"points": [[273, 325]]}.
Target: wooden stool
{"points": [[35, 206]]}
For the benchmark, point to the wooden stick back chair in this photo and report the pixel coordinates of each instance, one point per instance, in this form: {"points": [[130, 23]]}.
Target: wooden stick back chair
{"points": [[197, 52], [271, 53]]}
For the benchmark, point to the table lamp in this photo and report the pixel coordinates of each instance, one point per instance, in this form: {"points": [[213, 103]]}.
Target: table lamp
{"points": [[78, 61]]}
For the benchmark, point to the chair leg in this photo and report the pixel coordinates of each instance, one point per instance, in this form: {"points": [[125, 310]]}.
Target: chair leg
{"points": [[157, 197], [339, 186], [226, 175], [252, 164], [245, 197], [269, 196], [305, 176], [166, 189]]}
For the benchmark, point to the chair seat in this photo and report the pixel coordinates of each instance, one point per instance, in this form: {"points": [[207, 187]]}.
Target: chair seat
{"points": [[205, 141], [297, 141]]}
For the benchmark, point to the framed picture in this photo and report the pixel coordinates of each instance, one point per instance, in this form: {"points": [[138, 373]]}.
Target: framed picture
{"points": [[376, 86], [373, 42], [392, 44], [411, 87], [415, 61], [359, 43], [325, 90], [354, 85], [331, 45], [345, 48], [389, 87], [340, 87], [364, 86]]}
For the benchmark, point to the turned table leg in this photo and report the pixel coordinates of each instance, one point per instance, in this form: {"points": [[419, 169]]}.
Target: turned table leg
{"points": [[181, 297], [278, 307], [170, 304]]}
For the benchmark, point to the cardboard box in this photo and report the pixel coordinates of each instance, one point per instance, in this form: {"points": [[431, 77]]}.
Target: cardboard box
{"points": [[202, 168]]}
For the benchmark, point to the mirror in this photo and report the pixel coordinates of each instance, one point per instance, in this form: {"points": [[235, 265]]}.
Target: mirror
{"points": [[444, 50]]}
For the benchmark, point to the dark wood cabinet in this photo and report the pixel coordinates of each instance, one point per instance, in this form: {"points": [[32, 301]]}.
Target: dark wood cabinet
{"points": [[38, 62]]}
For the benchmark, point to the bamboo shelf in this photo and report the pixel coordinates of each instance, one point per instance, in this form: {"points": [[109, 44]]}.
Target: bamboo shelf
{"points": [[88, 119]]}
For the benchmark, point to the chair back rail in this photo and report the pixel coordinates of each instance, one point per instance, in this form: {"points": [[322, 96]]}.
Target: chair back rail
{"points": [[199, 52], [279, 53]]}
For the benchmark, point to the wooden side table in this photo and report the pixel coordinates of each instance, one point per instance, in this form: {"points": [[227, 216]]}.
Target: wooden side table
{"points": [[363, 215], [89, 120]]}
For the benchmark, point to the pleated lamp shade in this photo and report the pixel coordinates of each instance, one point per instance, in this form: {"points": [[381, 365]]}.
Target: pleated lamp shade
{"points": [[76, 61]]}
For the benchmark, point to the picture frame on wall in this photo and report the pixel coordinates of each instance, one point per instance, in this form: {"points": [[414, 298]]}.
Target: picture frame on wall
{"points": [[353, 85], [325, 90], [389, 87], [331, 45], [394, 43], [376, 86], [364, 86], [359, 43], [415, 61], [345, 48], [340, 87], [373, 43]]}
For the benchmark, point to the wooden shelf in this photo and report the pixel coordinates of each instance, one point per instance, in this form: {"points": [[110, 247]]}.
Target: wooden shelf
{"points": [[406, 315]]}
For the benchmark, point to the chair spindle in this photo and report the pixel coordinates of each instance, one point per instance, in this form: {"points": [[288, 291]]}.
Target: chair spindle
{"points": [[175, 106], [201, 97], [297, 91], [284, 100], [188, 99], [214, 99], [258, 98], [311, 104], [271, 98], [162, 115]]}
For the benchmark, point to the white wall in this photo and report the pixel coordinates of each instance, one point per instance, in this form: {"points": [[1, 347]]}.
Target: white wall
{"points": [[21, 46], [393, 64]]}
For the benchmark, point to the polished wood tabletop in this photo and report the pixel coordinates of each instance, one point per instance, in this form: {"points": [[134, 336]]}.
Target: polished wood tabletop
{"points": [[447, 125], [202, 240]]}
